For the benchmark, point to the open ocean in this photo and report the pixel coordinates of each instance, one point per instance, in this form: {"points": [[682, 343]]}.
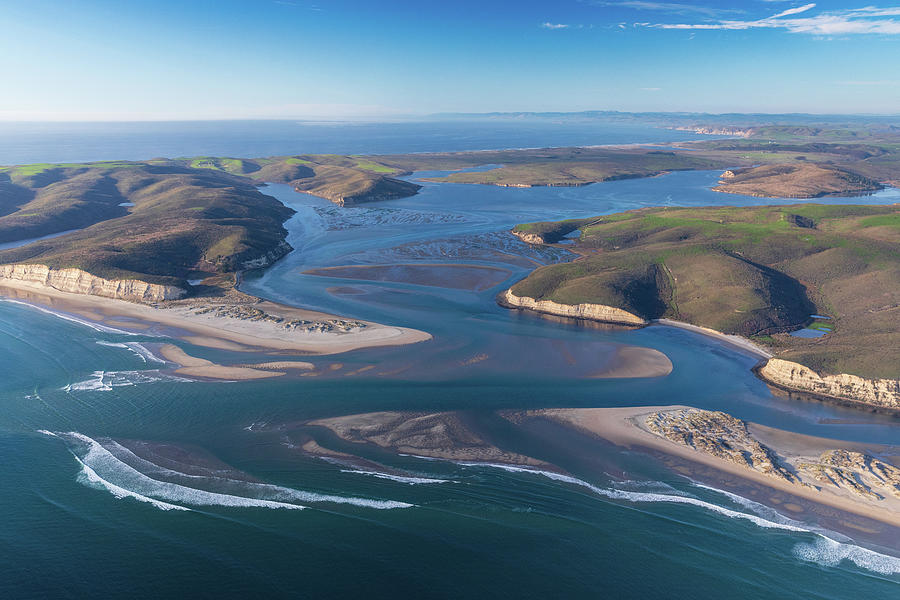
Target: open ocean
{"points": [[122, 480]]}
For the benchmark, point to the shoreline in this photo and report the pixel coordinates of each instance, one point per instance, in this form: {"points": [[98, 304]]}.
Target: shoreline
{"points": [[733, 340], [187, 321], [622, 427], [810, 504]]}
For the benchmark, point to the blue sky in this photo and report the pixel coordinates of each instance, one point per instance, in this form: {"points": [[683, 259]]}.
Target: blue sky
{"points": [[130, 59]]}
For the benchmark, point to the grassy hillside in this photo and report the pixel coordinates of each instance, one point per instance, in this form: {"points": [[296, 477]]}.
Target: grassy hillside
{"points": [[183, 221], [843, 166], [758, 272], [798, 180], [341, 179]]}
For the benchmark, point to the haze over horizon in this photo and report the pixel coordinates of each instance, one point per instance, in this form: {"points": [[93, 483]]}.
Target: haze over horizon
{"points": [[234, 59]]}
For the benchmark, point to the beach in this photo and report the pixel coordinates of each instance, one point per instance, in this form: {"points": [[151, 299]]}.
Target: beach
{"points": [[625, 427], [191, 321]]}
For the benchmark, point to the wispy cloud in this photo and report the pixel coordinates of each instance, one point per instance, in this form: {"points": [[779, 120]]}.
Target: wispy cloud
{"points": [[866, 20], [650, 89], [549, 25], [794, 11], [670, 7]]}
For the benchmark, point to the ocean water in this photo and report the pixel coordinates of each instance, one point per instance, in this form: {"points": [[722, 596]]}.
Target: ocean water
{"points": [[121, 479], [22, 143]]}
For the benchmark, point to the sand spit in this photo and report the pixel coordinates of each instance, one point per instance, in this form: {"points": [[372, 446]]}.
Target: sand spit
{"points": [[220, 323], [191, 366]]}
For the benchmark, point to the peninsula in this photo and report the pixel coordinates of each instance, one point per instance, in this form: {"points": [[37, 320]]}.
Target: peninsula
{"points": [[757, 272]]}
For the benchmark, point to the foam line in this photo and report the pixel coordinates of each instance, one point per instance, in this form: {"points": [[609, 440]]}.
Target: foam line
{"points": [[274, 491], [105, 381], [398, 478], [135, 348], [92, 478], [830, 553], [824, 550], [123, 479], [99, 458], [67, 317]]}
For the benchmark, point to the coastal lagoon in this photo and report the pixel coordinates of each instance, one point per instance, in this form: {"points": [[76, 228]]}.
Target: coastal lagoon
{"points": [[122, 478]]}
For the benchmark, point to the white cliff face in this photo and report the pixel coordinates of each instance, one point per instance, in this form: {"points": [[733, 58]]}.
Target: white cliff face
{"points": [[595, 312], [877, 392], [529, 238], [77, 281]]}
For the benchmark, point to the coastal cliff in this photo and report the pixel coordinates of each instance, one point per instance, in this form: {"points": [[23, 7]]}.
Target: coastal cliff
{"points": [[794, 376], [77, 281], [596, 312], [529, 238]]}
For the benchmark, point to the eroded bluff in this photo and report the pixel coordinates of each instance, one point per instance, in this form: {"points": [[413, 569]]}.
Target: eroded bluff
{"points": [[77, 281]]}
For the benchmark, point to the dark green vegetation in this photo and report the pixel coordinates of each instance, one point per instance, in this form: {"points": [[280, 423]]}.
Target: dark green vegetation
{"points": [[759, 272], [184, 221]]}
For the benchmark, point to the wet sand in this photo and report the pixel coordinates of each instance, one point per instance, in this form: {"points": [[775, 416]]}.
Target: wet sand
{"points": [[181, 320], [444, 435], [193, 366], [456, 276], [734, 340], [635, 361]]}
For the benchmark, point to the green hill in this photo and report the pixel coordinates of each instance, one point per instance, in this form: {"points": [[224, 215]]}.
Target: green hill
{"points": [[760, 272]]}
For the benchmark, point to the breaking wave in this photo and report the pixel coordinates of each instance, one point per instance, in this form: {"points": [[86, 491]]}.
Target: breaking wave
{"points": [[73, 319], [830, 553], [105, 381], [397, 478], [110, 466], [824, 550], [135, 348]]}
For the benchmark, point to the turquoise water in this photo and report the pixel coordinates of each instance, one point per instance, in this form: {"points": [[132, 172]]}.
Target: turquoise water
{"points": [[168, 487]]}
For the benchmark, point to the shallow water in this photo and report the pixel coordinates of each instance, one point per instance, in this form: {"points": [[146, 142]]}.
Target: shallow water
{"points": [[119, 479]]}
